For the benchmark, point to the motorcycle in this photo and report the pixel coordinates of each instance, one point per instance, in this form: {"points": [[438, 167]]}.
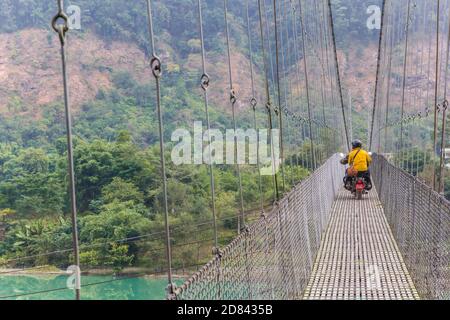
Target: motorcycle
{"points": [[357, 185]]}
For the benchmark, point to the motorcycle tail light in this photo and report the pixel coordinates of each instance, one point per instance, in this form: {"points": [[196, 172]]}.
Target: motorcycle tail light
{"points": [[360, 185]]}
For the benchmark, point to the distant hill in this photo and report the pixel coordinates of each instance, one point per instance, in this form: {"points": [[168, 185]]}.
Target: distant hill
{"points": [[110, 54]]}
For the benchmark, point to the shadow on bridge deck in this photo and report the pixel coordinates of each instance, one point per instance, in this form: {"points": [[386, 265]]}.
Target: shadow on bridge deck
{"points": [[358, 257]]}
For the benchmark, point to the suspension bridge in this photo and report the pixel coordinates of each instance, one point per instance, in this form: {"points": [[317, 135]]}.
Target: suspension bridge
{"points": [[317, 241]]}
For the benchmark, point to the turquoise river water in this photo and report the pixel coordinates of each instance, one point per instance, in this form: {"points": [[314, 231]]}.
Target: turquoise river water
{"points": [[53, 287]]}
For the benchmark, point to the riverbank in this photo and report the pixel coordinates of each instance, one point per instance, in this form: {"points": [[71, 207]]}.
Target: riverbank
{"points": [[127, 272]]}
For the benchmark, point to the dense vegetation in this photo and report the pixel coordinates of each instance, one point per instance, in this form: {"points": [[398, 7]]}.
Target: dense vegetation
{"points": [[119, 197], [116, 154], [117, 19], [118, 180], [118, 185]]}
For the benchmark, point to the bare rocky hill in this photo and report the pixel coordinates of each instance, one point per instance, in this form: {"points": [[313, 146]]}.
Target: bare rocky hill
{"points": [[30, 66], [30, 70]]}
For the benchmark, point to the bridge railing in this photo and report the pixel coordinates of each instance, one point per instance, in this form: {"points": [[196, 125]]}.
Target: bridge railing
{"points": [[273, 259], [420, 221]]}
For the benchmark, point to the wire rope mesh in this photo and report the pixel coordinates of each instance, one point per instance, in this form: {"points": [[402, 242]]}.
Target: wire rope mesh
{"points": [[273, 258], [420, 221]]}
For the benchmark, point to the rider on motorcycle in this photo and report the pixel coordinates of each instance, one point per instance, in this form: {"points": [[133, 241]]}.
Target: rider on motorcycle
{"points": [[360, 160]]}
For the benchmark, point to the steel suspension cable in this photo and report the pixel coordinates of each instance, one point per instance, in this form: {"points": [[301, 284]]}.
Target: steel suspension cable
{"points": [[268, 101], [390, 41], [318, 105], [297, 51], [413, 100], [445, 104], [416, 104], [308, 95], [278, 81], [297, 73], [253, 105], [410, 95], [292, 54], [62, 30], [323, 52], [327, 50], [204, 83], [156, 67], [291, 75], [339, 86], [383, 6], [319, 83], [286, 55], [389, 80], [427, 104], [405, 63], [420, 105], [233, 100], [310, 22], [436, 94], [269, 47], [429, 67], [323, 61]]}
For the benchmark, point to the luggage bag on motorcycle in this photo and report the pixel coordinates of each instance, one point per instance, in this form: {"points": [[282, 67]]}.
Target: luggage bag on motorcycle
{"points": [[352, 172]]}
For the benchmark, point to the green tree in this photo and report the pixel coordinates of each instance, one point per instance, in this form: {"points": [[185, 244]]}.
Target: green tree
{"points": [[122, 191]]}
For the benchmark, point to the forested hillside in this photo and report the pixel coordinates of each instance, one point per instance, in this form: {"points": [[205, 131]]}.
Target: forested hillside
{"points": [[116, 156]]}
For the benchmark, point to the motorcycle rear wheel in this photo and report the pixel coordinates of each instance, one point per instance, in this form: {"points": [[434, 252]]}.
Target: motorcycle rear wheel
{"points": [[358, 195]]}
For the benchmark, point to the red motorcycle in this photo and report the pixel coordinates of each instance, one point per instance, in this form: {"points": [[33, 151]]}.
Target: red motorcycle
{"points": [[357, 185]]}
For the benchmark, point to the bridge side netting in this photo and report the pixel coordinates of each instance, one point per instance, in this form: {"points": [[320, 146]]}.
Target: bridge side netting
{"points": [[273, 259], [420, 221]]}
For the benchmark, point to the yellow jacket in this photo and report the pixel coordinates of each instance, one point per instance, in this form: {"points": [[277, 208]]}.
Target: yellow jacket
{"points": [[362, 160]]}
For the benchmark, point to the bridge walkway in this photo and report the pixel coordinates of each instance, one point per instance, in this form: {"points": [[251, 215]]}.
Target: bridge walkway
{"points": [[358, 258]]}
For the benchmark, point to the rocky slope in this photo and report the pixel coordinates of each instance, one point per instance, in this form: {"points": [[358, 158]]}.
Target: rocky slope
{"points": [[30, 70]]}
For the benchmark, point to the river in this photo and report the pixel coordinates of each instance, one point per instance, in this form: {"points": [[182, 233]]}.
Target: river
{"points": [[53, 287]]}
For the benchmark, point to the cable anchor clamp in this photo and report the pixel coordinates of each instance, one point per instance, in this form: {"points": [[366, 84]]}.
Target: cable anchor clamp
{"points": [[204, 81], [217, 252], [263, 214], [253, 103], [233, 97], [170, 291], [61, 28], [156, 67], [276, 110], [245, 229]]}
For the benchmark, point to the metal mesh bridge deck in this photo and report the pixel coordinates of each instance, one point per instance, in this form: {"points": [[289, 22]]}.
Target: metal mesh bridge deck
{"points": [[358, 258], [319, 242]]}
